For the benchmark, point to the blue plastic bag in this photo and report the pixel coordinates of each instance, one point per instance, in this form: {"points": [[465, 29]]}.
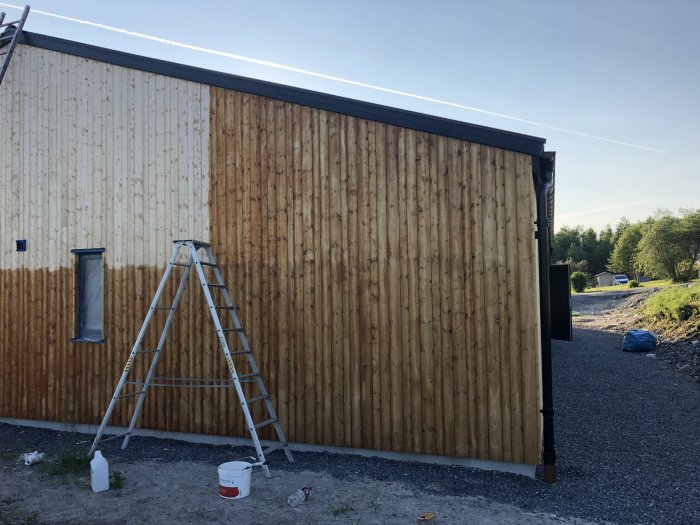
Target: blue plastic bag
{"points": [[639, 341]]}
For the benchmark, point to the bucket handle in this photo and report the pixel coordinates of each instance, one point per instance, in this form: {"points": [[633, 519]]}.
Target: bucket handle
{"points": [[247, 457]]}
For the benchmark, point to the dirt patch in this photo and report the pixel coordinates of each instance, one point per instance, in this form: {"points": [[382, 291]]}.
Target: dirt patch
{"points": [[186, 492]]}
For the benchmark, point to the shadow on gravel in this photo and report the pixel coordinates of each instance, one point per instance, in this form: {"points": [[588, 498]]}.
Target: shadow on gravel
{"points": [[626, 435]]}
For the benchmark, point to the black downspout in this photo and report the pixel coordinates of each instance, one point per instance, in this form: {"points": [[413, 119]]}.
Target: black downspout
{"points": [[543, 168]]}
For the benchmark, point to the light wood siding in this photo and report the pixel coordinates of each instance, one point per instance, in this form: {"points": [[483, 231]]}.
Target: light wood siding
{"points": [[95, 155], [386, 276]]}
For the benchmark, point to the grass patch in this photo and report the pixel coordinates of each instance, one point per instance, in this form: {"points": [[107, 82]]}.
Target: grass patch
{"points": [[678, 304], [69, 462], [659, 283], [342, 510], [116, 480], [9, 456]]}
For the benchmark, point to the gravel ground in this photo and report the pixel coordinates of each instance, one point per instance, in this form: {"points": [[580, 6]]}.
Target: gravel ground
{"points": [[626, 436]]}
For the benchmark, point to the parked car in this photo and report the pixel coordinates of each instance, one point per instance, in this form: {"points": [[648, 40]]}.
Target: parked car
{"points": [[620, 278]]}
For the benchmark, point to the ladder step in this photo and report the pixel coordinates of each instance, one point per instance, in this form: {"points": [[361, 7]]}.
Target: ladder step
{"points": [[266, 422], [111, 438], [164, 307], [131, 394], [224, 307], [274, 447], [257, 398], [207, 263], [241, 352], [196, 243], [180, 264], [214, 285], [248, 376], [232, 330]]}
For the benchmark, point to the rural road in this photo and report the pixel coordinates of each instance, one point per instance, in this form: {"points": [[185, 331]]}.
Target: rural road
{"points": [[600, 302]]}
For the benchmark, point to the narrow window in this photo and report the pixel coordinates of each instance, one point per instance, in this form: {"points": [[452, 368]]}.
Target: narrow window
{"points": [[89, 286]]}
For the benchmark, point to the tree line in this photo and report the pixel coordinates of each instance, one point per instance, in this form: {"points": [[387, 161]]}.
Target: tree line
{"points": [[663, 246]]}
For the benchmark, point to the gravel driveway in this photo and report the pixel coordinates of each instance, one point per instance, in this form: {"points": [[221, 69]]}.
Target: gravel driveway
{"points": [[626, 429]]}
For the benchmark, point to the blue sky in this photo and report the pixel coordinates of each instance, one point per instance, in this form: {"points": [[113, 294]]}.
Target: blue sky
{"points": [[626, 70]]}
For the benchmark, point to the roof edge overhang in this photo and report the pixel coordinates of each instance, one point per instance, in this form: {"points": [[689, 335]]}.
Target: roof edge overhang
{"points": [[365, 110]]}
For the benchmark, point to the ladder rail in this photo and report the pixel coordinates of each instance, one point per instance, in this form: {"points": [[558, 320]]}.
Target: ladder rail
{"points": [[159, 350], [227, 354], [267, 400], [13, 41], [134, 350]]}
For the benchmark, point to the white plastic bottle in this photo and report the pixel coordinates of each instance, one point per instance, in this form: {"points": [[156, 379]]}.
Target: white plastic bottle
{"points": [[99, 473]]}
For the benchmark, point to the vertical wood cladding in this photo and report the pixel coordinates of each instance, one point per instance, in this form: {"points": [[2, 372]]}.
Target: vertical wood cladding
{"points": [[386, 278], [96, 155]]}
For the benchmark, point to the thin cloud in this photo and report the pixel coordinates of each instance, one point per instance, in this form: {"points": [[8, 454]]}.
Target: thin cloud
{"points": [[592, 211], [324, 76]]}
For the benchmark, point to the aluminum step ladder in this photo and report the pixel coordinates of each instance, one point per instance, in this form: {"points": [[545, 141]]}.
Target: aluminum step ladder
{"points": [[212, 285], [8, 39]]}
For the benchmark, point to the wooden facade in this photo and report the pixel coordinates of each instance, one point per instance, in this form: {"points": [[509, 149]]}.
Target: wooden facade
{"points": [[387, 276]]}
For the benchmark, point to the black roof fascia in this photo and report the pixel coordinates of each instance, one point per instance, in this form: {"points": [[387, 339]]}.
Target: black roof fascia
{"points": [[365, 110]]}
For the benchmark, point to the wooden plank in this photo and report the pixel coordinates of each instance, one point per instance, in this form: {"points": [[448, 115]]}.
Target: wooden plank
{"points": [[283, 283], [434, 251], [493, 358], [307, 350], [254, 325], [425, 301], [353, 283], [374, 285], [414, 317], [529, 330], [326, 309], [337, 361], [383, 281], [364, 257], [269, 310], [298, 275], [393, 283], [456, 210], [319, 375], [445, 289], [493, 361], [502, 247], [345, 281], [513, 316], [477, 296]]}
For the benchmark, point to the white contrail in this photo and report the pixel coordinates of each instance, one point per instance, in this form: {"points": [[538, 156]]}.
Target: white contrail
{"points": [[306, 72], [612, 207]]}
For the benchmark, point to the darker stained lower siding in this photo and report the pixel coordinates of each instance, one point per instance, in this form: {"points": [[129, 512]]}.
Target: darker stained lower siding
{"points": [[45, 376]]}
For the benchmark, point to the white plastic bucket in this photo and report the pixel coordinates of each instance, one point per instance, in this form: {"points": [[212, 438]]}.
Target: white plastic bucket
{"points": [[234, 479]]}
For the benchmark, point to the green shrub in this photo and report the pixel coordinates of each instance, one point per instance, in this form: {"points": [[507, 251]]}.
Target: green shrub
{"points": [[633, 284], [677, 303], [579, 280]]}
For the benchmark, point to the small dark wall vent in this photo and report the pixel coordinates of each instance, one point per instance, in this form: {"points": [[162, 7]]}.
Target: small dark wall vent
{"points": [[21, 245]]}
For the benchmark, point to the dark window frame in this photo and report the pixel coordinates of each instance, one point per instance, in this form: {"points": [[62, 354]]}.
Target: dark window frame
{"points": [[79, 314]]}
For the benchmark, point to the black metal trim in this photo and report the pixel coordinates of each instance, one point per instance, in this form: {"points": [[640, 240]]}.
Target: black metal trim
{"points": [[543, 176], [88, 250], [87, 340], [365, 110]]}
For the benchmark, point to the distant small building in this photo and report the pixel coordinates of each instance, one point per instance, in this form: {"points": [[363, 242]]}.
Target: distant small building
{"points": [[604, 279]]}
